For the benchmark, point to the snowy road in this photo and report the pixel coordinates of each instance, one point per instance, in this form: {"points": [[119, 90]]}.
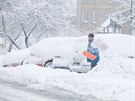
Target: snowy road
{"points": [[10, 91]]}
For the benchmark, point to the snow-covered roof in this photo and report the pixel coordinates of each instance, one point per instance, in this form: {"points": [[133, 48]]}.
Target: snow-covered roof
{"points": [[106, 23], [110, 22]]}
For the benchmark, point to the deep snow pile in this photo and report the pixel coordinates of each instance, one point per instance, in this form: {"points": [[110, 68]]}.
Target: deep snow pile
{"points": [[112, 79]]}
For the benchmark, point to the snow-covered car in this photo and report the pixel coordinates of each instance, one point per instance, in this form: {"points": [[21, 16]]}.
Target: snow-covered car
{"points": [[84, 67], [60, 52], [44, 53], [74, 66], [32, 59], [59, 62]]}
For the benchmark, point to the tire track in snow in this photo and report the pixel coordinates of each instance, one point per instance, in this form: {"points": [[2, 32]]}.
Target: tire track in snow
{"points": [[50, 94]]}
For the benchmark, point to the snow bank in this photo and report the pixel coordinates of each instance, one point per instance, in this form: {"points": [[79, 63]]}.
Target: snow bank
{"points": [[109, 81], [118, 44]]}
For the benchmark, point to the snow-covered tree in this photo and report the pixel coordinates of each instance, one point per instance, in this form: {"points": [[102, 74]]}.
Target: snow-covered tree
{"points": [[33, 20], [126, 14]]}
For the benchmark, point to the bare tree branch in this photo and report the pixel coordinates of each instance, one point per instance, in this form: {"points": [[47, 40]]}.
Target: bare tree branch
{"points": [[41, 34], [3, 22], [32, 30], [26, 42], [27, 36], [17, 37], [10, 47], [23, 30], [13, 42]]}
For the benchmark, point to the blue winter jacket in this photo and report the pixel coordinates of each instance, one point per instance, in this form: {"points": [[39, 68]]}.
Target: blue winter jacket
{"points": [[94, 51]]}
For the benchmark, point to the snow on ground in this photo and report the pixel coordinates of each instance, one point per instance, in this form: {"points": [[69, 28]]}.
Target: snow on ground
{"points": [[13, 94], [112, 79]]}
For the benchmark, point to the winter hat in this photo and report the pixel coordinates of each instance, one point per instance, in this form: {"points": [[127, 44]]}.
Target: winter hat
{"points": [[91, 35]]}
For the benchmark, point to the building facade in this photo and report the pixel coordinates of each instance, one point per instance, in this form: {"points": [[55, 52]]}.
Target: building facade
{"points": [[91, 14]]}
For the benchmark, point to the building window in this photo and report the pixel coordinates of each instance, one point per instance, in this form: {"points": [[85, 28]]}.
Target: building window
{"points": [[85, 15]]}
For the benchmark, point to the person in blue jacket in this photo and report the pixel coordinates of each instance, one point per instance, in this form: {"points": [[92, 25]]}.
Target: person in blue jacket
{"points": [[92, 50]]}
